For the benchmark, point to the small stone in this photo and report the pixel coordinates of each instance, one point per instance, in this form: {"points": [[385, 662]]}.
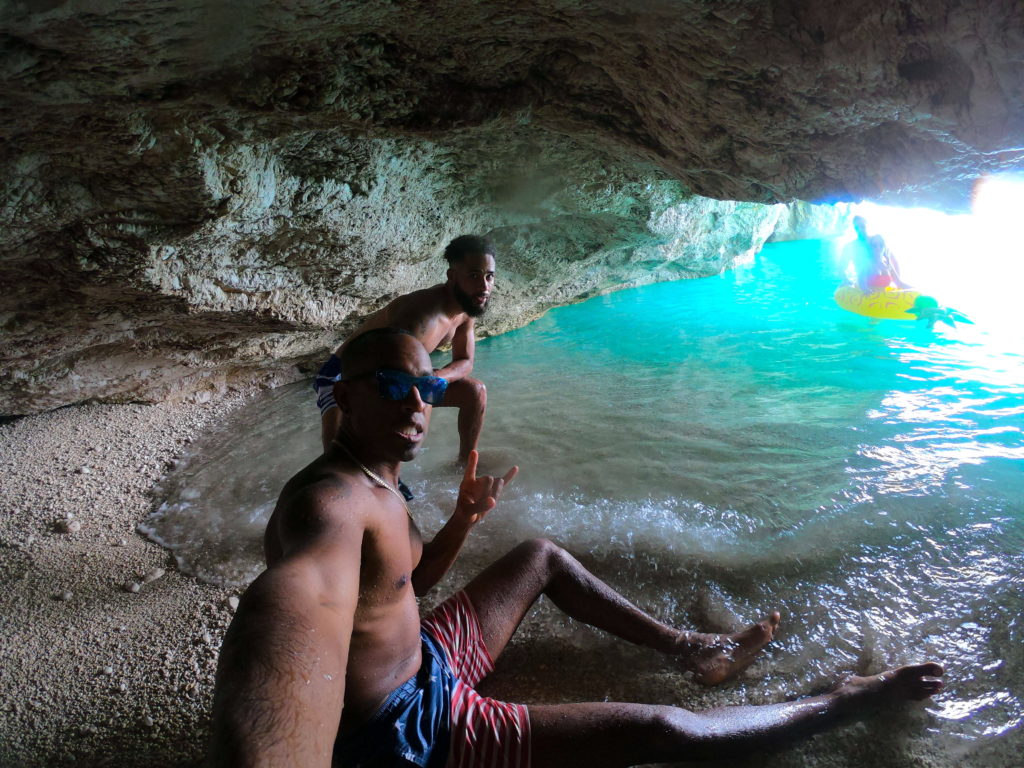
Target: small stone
{"points": [[65, 596], [69, 526], [233, 603], [84, 471], [123, 686], [107, 671], [147, 721], [153, 574], [132, 586]]}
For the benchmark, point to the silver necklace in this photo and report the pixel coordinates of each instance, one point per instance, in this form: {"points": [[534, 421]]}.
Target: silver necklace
{"points": [[373, 475]]}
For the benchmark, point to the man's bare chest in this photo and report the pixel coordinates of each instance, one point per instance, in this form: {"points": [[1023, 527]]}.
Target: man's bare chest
{"points": [[390, 555], [437, 333]]}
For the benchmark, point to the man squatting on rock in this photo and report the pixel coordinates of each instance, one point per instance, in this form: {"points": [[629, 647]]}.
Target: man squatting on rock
{"points": [[442, 314], [327, 658]]}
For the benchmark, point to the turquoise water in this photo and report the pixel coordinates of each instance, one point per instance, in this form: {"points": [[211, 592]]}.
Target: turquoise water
{"points": [[718, 448]]}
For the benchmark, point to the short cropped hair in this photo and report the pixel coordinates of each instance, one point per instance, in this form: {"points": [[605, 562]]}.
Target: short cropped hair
{"points": [[464, 245], [353, 353]]}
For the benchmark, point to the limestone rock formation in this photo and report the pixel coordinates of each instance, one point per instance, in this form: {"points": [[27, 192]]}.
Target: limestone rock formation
{"points": [[198, 194]]}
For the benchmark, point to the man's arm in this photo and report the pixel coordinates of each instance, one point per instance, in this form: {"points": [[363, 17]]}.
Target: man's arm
{"points": [[281, 676], [463, 349], [894, 269], [477, 497]]}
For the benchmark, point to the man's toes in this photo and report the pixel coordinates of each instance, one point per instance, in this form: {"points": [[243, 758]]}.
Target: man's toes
{"points": [[927, 688], [763, 632], [914, 672], [920, 680]]}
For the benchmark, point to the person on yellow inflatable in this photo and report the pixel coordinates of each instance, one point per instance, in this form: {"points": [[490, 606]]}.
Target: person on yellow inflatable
{"points": [[873, 262]]}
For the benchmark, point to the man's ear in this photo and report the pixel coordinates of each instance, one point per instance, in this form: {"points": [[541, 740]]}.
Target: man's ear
{"points": [[450, 274]]}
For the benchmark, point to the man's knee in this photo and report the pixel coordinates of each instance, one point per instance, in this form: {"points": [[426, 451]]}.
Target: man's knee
{"points": [[541, 553], [477, 392]]}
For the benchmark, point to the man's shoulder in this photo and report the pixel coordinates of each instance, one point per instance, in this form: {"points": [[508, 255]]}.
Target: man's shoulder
{"points": [[318, 488], [423, 300], [322, 492]]}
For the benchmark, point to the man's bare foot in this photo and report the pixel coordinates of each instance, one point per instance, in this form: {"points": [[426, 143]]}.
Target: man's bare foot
{"points": [[717, 658], [913, 682]]}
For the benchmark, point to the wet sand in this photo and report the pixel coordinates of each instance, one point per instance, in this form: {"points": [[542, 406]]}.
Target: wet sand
{"points": [[96, 674]]}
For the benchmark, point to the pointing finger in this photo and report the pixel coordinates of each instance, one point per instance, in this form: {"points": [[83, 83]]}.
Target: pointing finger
{"points": [[471, 462], [510, 474]]}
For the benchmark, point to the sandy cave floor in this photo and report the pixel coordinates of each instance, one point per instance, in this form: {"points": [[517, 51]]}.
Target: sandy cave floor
{"points": [[94, 674]]}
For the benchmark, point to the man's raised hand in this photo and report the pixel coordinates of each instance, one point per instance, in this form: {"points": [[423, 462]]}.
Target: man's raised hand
{"points": [[479, 495]]}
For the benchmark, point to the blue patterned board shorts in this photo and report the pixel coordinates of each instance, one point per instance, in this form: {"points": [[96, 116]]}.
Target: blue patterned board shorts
{"points": [[412, 726], [323, 384], [436, 718]]}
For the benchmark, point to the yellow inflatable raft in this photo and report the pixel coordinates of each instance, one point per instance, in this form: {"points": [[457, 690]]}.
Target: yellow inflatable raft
{"points": [[887, 304]]}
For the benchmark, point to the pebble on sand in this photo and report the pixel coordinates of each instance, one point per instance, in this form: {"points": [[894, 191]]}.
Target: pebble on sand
{"points": [[132, 586], [68, 526], [233, 602]]}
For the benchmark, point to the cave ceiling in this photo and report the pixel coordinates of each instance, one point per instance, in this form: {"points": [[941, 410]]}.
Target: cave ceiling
{"points": [[207, 187]]}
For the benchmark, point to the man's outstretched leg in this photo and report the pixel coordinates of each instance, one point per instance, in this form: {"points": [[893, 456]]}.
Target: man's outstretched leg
{"points": [[470, 397], [607, 734], [504, 592]]}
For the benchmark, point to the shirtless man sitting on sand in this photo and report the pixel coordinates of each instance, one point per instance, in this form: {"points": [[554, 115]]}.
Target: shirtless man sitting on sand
{"points": [[327, 659], [442, 314]]}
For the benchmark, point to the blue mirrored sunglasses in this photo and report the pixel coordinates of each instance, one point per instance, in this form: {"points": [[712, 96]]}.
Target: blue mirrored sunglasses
{"points": [[396, 385]]}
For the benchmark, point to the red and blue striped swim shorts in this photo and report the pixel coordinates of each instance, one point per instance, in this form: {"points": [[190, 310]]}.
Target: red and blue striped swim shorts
{"points": [[485, 733]]}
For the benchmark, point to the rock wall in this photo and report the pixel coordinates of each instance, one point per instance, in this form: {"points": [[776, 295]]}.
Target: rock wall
{"points": [[130, 311], [200, 194]]}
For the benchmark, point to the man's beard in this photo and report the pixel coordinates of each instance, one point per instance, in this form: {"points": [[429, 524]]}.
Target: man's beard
{"points": [[467, 303]]}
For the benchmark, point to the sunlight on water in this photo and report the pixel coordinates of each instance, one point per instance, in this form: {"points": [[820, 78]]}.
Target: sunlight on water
{"points": [[718, 448], [971, 261]]}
